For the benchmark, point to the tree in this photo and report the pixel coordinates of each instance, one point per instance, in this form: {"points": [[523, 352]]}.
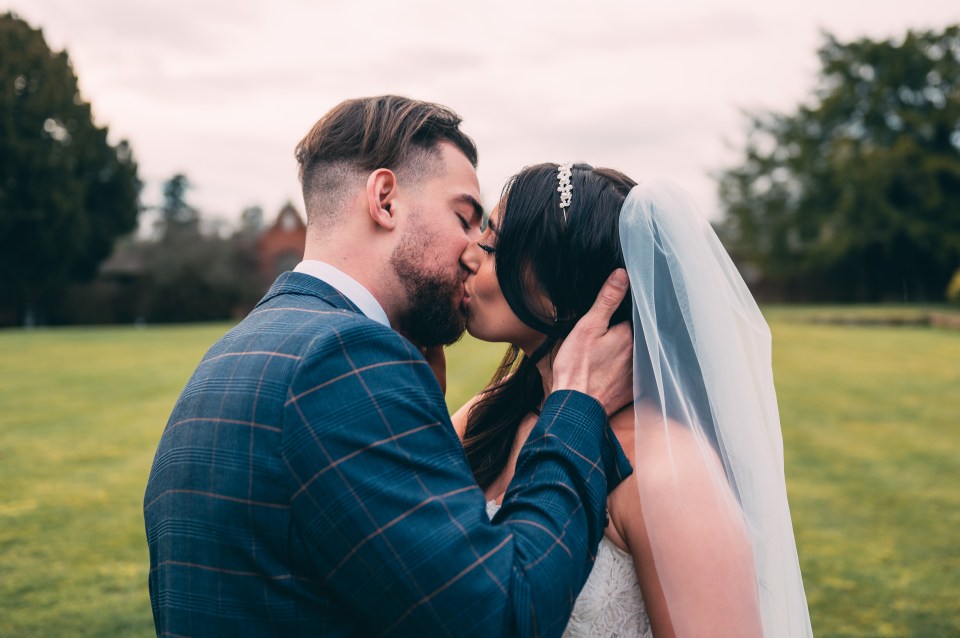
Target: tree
{"points": [[178, 219], [191, 274], [251, 221], [856, 195], [66, 193]]}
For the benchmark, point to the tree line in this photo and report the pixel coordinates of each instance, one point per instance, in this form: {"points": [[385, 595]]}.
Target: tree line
{"points": [[184, 270], [69, 199], [853, 196]]}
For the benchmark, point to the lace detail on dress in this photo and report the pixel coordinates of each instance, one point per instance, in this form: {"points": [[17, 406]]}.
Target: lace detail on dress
{"points": [[610, 603]]}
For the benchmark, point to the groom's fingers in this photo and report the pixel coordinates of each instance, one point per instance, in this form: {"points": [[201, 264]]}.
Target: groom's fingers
{"points": [[611, 294], [596, 358]]}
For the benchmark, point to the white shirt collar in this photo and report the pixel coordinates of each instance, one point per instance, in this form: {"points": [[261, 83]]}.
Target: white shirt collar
{"points": [[347, 285]]}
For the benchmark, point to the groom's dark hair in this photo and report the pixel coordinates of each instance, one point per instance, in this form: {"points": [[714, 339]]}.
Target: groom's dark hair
{"points": [[361, 135]]}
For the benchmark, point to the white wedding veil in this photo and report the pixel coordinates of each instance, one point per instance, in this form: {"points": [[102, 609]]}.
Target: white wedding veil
{"points": [[702, 368]]}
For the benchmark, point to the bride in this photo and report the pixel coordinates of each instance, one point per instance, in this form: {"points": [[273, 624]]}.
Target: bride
{"points": [[699, 540]]}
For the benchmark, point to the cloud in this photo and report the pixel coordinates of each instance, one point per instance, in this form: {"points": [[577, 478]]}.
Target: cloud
{"points": [[224, 90]]}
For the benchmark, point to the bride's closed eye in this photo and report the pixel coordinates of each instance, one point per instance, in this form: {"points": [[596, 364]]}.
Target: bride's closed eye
{"points": [[486, 248]]}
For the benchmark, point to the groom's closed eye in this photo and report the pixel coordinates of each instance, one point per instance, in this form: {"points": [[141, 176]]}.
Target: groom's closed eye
{"points": [[468, 210]]}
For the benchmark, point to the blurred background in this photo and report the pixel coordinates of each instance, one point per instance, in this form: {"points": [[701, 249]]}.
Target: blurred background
{"points": [[148, 197]]}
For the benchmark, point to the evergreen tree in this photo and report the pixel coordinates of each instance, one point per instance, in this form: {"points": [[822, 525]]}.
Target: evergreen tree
{"points": [[66, 193], [856, 195]]}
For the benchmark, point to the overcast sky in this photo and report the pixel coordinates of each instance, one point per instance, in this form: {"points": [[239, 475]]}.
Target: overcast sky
{"points": [[223, 90]]}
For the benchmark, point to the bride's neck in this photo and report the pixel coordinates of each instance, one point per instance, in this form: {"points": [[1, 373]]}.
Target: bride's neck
{"points": [[545, 366]]}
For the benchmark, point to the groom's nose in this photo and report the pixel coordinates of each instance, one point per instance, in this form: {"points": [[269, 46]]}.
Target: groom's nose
{"points": [[470, 258]]}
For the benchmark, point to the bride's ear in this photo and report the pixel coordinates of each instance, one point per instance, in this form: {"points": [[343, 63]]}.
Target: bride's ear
{"points": [[381, 191]]}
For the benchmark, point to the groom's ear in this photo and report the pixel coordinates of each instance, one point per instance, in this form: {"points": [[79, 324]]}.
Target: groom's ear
{"points": [[381, 191]]}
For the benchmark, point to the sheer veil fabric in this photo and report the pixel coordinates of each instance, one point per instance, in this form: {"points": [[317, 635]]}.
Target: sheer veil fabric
{"points": [[702, 366]]}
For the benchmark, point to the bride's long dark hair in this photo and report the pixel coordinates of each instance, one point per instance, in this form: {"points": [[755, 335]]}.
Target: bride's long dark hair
{"points": [[567, 258]]}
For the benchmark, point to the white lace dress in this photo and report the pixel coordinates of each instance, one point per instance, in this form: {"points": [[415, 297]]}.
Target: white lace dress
{"points": [[610, 603]]}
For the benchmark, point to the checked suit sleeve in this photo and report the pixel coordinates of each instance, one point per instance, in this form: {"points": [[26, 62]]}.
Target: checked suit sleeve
{"points": [[392, 520]]}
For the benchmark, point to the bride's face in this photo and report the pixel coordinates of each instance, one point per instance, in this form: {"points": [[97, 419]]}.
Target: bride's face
{"points": [[489, 317]]}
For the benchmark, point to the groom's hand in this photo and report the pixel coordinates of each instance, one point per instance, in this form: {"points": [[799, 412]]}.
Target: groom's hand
{"points": [[596, 358]]}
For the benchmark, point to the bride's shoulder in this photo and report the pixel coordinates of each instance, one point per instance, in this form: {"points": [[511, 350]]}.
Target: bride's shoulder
{"points": [[459, 418], [660, 450], [653, 442], [619, 500], [622, 424]]}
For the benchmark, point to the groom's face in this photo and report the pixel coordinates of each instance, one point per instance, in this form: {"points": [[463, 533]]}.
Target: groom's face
{"points": [[443, 218]]}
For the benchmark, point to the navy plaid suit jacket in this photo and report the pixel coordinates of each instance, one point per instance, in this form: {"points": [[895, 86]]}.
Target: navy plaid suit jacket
{"points": [[309, 483]]}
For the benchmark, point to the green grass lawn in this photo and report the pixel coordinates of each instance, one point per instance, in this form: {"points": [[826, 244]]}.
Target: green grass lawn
{"points": [[870, 430]]}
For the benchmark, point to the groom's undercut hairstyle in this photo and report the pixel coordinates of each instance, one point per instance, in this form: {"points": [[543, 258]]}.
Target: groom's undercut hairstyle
{"points": [[361, 135]]}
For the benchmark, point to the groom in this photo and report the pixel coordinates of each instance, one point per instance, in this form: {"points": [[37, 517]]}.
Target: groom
{"points": [[309, 481]]}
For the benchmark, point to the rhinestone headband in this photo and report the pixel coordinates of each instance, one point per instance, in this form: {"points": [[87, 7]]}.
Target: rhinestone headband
{"points": [[565, 188]]}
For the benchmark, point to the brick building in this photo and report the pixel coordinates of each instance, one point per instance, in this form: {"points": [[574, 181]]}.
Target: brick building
{"points": [[280, 247]]}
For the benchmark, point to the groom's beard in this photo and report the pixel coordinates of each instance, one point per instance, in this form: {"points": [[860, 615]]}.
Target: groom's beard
{"points": [[433, 317]]}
